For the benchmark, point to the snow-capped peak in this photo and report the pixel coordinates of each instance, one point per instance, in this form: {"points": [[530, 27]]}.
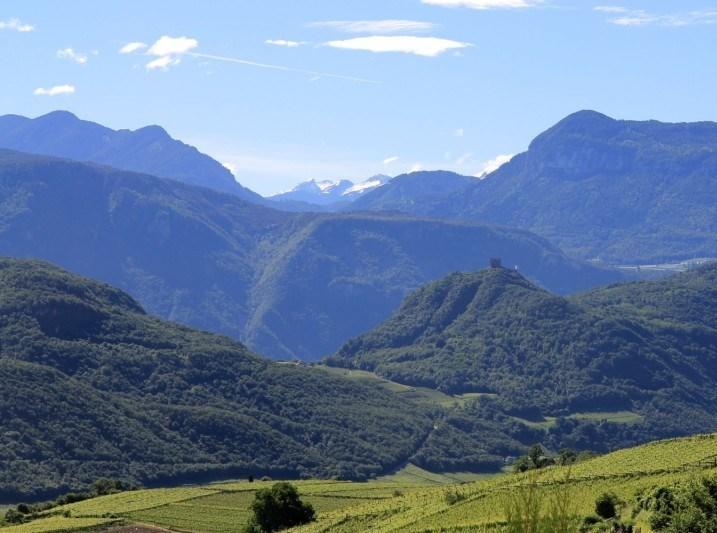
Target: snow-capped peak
{"points": [[367, 185]]}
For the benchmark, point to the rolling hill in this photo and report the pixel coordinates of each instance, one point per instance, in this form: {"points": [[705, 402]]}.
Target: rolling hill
{"points": [[288, 284], [646, 348], [149, 150], [403, 502], [92, 386], [615, 190]]}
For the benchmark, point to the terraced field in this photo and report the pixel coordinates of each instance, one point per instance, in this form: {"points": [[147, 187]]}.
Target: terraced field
{"points": [[409, 501]]}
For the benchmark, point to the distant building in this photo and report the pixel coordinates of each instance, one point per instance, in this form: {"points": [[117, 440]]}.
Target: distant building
{"points": [[495, 262]]}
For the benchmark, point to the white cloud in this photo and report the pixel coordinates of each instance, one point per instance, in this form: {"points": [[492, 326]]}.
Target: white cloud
{"points": [[131, 48], [639, 17], [284, 42], [54, 91], [168, 50], [421, 46], [484, 4], [16, 25], [72, 55], [494, 164], [391, 159], [162, 63], [460, 132], [170, 46], [416, 167], [610, 9], [376, 26]]}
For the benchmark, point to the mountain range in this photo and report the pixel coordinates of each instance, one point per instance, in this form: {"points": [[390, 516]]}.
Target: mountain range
{"points": [[328, 193], [149, 150], [288, 284], [618, 191]]}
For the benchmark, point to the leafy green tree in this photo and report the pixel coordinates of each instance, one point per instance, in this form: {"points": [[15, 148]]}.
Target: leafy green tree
{"points": [[278, 508], [13, 516], [688, 509], [105, 486]]}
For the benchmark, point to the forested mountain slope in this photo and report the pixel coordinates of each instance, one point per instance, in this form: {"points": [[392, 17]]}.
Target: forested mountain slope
{"points": [[94, 387], [617, 190], [290, 285], [649, 348]]}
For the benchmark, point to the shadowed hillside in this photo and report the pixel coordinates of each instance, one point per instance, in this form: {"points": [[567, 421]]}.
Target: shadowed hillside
{"points": [[290, 285]]}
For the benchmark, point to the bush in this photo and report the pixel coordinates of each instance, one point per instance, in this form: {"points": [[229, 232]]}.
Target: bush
{"points": [[13, 516], [453, 496], [606, 505], [278, 508]]}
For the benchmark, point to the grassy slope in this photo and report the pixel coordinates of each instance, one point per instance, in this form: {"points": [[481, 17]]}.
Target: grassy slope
{"points": [[402, 504]]}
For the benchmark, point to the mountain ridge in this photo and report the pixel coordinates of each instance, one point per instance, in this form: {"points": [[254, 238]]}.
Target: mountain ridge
{"points": [[149, 149], [617, 191], [260, 275]]}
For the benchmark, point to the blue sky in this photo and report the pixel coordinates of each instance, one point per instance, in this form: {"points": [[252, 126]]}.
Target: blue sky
{"points": [[352, 88]]}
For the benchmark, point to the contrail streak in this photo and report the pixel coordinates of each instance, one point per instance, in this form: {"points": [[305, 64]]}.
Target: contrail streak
{"points": [[282, 68]]}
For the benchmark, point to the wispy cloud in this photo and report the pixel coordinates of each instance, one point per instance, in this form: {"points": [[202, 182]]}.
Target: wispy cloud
{"points": [[282, 68], [133, 47], [391, 159], [460, 132], [54, 91], [494, 164], [72, 55], [167, 51], [406, 44], [284, 42], [611, 9], [382, 27], [638, 17], [484, 4], [16, 25], [416, 167], [162, 63]]}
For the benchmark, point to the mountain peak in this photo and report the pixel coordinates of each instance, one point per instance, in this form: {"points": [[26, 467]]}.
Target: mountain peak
{"points": [[584, 123], [153, 132], [59, 115]]}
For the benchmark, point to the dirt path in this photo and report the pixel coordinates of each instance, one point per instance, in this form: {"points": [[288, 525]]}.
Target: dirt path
{"points": [[137, 528]]}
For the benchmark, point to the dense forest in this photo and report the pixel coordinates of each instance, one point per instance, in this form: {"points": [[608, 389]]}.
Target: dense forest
{"points": [[94, 387], [649, 348], [288, 285]]}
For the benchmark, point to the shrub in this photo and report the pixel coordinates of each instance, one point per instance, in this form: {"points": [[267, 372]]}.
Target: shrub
{"points": [[606, 505], [453, 496], [278, 508]]}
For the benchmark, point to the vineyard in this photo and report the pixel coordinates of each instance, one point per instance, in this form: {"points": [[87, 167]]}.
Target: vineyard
{"points": [[409, 501]]}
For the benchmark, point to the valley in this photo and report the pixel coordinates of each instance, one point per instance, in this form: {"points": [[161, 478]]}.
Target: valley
{"points": [[424, 266]]}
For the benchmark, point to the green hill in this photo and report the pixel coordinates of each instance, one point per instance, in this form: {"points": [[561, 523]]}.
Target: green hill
{"points": [[546, 362], [289, 285], [92, 386], [400, 504]]}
